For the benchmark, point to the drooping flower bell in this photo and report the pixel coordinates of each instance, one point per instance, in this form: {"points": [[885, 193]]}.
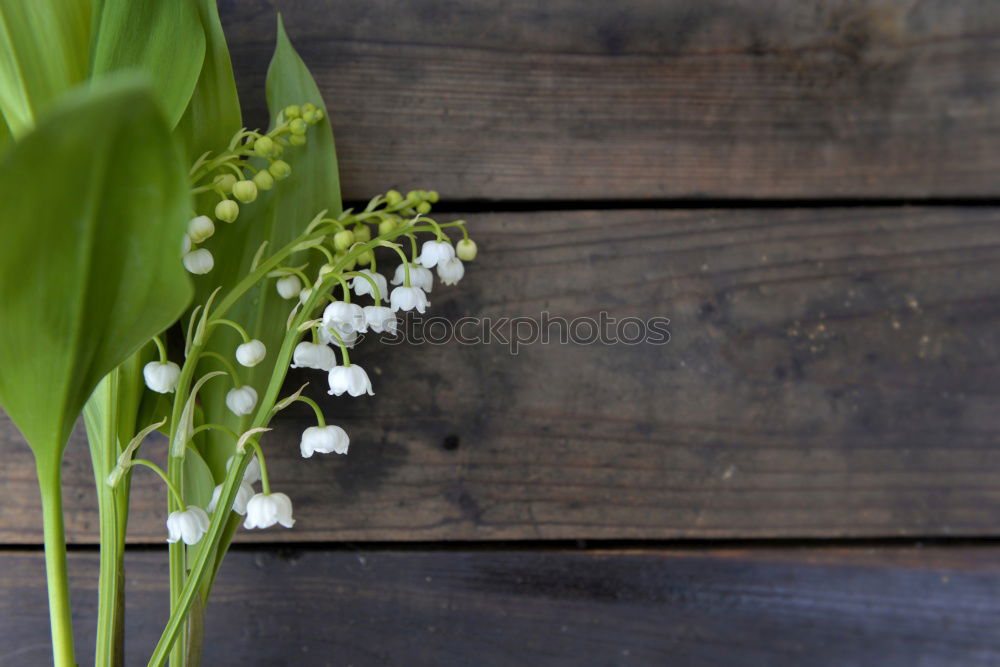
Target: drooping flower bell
{"points": [[161, 377], [433, 252], [361, 286], [242, 400], [348, 339], [252, 473], [344, 317], [325, 440], [243, 495], [380, 318], [199, 262], [351, 379], [251, 353], [200, 228], [451, 271], [288, 286], [419, 277], [266, 509], [189, 525], [408, 298], [313, 355]]}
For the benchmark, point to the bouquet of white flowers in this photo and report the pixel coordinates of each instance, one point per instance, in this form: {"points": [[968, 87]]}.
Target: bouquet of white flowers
{"points": [[163, 267]]}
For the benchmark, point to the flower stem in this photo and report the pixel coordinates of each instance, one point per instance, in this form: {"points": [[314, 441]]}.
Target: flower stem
{"points": [[50, 485]]}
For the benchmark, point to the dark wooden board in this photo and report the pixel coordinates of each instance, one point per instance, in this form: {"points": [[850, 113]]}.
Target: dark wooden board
{"points": [[831, 372], [734, 607], [646, 98]]}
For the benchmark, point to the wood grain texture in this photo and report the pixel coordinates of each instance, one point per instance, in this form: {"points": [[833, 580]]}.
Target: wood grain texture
{"points": [[737, 607], [646, 98], [831, 373]]}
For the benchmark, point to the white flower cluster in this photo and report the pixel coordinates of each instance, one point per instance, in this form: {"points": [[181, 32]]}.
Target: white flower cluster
{"points": [[339, 328]]}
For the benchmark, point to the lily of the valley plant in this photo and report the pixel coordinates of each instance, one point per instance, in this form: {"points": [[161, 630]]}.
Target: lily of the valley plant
{"points": [[163, 267]]}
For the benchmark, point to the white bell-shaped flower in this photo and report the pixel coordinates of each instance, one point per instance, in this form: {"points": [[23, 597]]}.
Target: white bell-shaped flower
{"points": [[188, 525], [344, 317], [266, 509], [313, 355], [349, 339], [252, 473], [186, 245], [380, 318], [351, 379], [451, 271], [305, 294], [419, 277], [288, 286], [161, 377], [408, 298], [434, 252], [199, 262], [242, 400], [362, 286], [251, 353], [243, 495], [325, 440], [201, 228]]}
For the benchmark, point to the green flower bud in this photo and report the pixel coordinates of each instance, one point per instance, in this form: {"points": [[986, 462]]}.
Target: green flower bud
{"points": [[313, 117], [350, 265], [298, 126], [264, 146], [423, 208], [386, 226], [227, 210], [432, 196], [297, 140], [264, 180], [365, 258], [245, 191], [225, 182], [412, 197], [292, 111], [466, 250], [343, 239], [280, 170], [308, 107], [392, 197], [362, 234], [278, 150]]}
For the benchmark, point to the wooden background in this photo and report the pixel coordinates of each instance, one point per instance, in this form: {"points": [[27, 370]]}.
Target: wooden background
{"points": [[808, 473]]}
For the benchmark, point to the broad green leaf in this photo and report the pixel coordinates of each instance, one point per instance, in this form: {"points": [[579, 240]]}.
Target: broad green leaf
{"points": [[95, 204], [198, 482], [43, 52], [213, 114], [277, 217], [165, 40]]}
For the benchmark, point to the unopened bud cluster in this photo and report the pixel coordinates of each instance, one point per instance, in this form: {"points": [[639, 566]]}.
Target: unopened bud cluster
{"points": [[235, 181]]}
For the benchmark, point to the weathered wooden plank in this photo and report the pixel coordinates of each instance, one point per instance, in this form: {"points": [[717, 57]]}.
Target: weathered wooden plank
{"points": [[886, 607], [831, 372], [646, 98]]}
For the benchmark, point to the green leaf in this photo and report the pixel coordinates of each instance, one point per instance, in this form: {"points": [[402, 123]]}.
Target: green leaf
{"points": [[278, 216], [213, 114], [43, 52], [198, 482], [96, 201], [165, 40]]}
